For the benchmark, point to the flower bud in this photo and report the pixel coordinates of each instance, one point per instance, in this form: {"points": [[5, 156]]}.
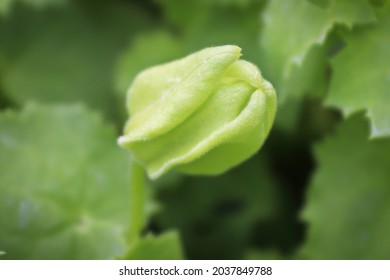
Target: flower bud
{"points": [[202, 114]]}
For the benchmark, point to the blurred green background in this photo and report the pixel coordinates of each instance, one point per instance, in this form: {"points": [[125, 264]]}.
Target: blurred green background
{"points": [[318, 189]]}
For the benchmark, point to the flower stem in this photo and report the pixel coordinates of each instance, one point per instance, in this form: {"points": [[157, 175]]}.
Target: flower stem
{"points": [[137, 193]]}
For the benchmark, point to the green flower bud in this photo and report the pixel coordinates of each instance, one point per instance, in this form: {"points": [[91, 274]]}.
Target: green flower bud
{"points": [[202, 114]]}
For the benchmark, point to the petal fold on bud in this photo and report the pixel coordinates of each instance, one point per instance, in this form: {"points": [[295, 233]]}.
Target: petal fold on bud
{"points": [[202, 114]]}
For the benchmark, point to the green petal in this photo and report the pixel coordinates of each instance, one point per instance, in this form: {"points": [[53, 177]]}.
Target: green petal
{"points": [[216, 113], [177, 89]]}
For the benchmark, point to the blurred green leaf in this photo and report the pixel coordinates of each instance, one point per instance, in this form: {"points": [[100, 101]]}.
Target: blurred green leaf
{"points": [[263, 255], [291, 28], [213, 23], [67, 54], [162, 247], [321, 3], [63, 185], [6, 5], [296, 62], [348, 202], [146, 50], [307, 79], [219, 212], [233, 3], [361, 74], [39, 3]]}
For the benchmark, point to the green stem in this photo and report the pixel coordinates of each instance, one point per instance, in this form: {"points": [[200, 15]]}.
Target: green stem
{"points": [[137, 193]]}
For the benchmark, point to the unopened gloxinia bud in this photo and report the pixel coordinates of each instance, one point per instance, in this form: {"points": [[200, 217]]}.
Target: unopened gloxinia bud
{"points": [[202, 114]]}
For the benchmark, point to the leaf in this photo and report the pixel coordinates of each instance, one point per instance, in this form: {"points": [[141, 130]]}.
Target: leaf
{"points": [[271, 254], [230, 3], [296, 53], [216, 215], [286, 45], [348, 202], [6, 5], [68, 54], [63, 185], [180, 13], [143, 54], [42, 3], [162, 247], [361, 75], [213, 23], [307, 79], [321, 3]]}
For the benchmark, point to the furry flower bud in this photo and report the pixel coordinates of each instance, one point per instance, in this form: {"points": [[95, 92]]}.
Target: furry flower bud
{"points": [[202, 114]]}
